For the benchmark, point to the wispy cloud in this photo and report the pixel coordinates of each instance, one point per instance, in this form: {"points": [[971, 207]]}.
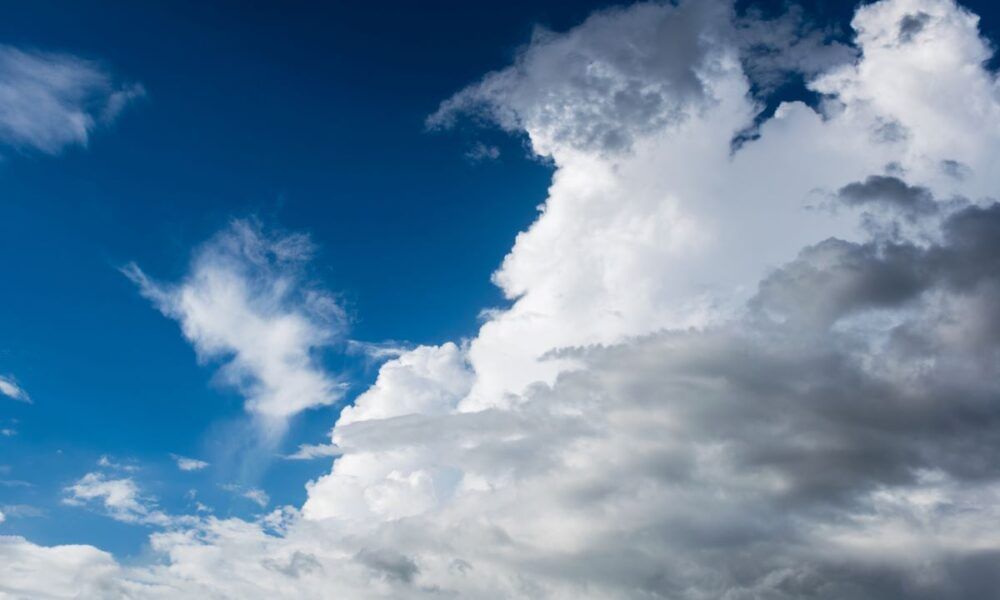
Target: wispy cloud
{"points": [[255, 495], [245, 302], [49, 101], [106, 462], [10, 388], [313, 451]]}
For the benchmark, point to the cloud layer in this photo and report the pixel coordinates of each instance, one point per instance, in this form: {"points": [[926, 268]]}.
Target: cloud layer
{"points": [[761, 372]]}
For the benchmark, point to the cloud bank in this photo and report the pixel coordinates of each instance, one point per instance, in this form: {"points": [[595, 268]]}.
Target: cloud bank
{"points": [[761, 372]]}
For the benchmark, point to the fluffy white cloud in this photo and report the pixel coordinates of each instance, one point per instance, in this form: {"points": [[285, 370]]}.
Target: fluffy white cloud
{"points": [[50, 101], [189, 464], [120, 499], [245, 302], [9, 388], [766, 370]]}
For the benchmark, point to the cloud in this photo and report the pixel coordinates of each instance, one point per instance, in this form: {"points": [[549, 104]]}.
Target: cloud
{"points": [[480, 152], [9, 388], [313, 451], [120, 499], [50, 101], [106, 462], [890, 192], [189, 464], [707, 384], [244, 302], [591, 89], [21, 511], [255, 495]]}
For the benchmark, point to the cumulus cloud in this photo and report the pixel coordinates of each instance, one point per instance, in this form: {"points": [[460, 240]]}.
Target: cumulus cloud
{"points": [[189, 464], [50, 101], [9, 388], [708, 384], [245, 302], [119, 498], [889, 192]]}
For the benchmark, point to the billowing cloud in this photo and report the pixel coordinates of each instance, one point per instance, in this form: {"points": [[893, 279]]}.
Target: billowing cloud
{"points": [[50, 101], [764, 370], [245, 302]]}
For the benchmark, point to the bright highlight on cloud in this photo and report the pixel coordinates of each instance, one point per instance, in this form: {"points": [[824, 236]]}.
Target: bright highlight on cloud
{"points": [[245, 303], [764, 369], [51, 101]]}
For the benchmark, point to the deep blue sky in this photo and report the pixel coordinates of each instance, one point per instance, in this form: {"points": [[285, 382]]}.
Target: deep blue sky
{"points": [[308, 116]]}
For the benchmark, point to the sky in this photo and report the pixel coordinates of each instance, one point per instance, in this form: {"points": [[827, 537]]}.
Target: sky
{"points": [[688, 299]]}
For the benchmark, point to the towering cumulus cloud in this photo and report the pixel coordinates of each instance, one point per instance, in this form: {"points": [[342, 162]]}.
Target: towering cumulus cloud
{"points": [[765, 369]]}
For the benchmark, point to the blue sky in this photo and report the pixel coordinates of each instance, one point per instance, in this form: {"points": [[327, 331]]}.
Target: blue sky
{"points": [[298, 119]]}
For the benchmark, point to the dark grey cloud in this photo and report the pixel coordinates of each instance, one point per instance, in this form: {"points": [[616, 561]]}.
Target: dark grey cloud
{"points": [[389, 564], [911, 25], [889, 192], [763, 433]]}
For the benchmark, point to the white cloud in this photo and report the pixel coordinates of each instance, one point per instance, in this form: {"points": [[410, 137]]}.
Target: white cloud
{"points": [[9, 388], [106, 462], [189, 464], [245, 302], [120, 499], [313, 451], [721, 375], [257, 496], [51, 101]]}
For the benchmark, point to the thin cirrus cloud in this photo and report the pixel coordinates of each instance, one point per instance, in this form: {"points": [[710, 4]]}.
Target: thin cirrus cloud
{"points": [[50, 101], [762, 370]]}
